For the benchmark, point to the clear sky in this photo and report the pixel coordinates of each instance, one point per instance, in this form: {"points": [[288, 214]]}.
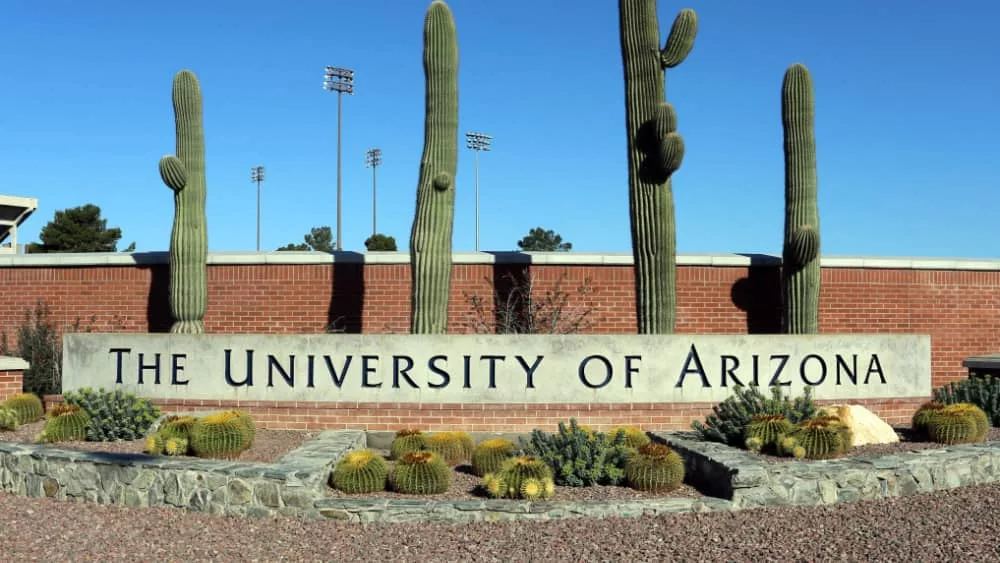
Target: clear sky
{"points": [[906, 93]]}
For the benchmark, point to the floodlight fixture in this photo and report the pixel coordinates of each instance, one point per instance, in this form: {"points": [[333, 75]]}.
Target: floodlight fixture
{"points": [[341, 81], [478, 142], [257, 175], [373, 158]]}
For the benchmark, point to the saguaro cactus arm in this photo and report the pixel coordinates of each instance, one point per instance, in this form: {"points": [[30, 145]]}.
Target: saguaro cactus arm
{"points": [[173, 173], [681, 39]]}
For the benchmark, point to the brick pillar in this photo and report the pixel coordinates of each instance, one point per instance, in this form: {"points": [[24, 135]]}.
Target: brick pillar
{"points": [[11, 376]]}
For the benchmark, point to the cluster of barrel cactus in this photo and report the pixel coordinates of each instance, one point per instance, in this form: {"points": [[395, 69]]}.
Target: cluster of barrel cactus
{"points": [[525, 477], [407, 440], [172, 438], [956, 423], [822, 436], [221, 435]]}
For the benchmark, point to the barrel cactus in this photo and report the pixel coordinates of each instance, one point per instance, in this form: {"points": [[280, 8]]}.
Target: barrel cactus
{"points": [[454, 447], [8, 419], [634, 437], [800, 256], [431, 234], [420, 473], [923, 416], [655, 468], [521, 477], [764, 430], [655, 151], [956, 424], [359, 472], [176, 446], [154, 444], [223, 435], [489, 455], [65, 423], [177, 427], [27, 406], [407, 440], [819, 439], [185, 175]]}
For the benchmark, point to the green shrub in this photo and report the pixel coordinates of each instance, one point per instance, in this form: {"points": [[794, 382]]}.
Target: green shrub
{"points": [[730, 418], [114, 415], [982, 391], [578, 457]]}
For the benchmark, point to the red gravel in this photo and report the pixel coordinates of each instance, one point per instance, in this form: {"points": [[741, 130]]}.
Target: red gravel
{"points": [[466, 486], [908, 442], [958, 525], [268, 445]]}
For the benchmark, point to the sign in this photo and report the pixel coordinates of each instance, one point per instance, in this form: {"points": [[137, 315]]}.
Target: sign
{"points": [[496, 368]]}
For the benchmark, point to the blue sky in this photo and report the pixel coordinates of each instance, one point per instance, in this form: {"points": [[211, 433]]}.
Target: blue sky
{"points": [[906, 115]]}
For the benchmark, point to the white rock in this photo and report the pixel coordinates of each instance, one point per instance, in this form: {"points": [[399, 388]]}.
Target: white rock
{"points": [[865, 425]]}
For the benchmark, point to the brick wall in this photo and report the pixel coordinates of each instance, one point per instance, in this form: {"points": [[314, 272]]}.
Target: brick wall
{"points": [[10, 378], [956, 302]]}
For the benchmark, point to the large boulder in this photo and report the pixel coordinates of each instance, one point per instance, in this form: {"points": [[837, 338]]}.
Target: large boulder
{"points": [[865, 425]]}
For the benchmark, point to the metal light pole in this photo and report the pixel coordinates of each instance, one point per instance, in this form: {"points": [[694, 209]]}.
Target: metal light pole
{"points": [[341, 81], [478, 142], [257, 175], [372, 159]]}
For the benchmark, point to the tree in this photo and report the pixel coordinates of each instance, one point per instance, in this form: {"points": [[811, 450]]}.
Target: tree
{"points": [[540, 240], [319, 239], [77, 229], [378, 241]]}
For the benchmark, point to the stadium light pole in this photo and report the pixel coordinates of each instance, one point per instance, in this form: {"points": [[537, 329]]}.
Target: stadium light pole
{"points": [[478, 142], [341, 81], [257, 175], [372, 160]]}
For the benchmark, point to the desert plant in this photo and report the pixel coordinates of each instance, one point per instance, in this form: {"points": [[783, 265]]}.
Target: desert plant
{"points": [[176, 446], [654, 467], [519, 306], [800, 255], [453, 447], [580, 458], [634, 438], [764, 430], [185, 175], [729, 419], [655, 151], [154, 444], [982, 391], [407, 440], [820, 439], [223, 435], [923, 416], [489, 455], [358, 472], [420, 473], [27, 406], [957, 423], [8, 419], [526, 477], [176, 427], [115, 415], [38, 343], [65, 423], [431, 234]]}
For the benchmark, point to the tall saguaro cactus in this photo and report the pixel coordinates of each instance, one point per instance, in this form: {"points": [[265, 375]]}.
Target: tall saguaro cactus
{"points": [[800, 270], [655, 151], [431, 236], [185, 175]]}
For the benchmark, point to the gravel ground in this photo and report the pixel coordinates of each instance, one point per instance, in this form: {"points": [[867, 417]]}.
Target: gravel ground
{"points": [[958, 525], [908, 442], [268, 445], [465, 486]]}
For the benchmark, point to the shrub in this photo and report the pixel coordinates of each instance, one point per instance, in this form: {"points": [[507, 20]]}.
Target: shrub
{"points": [[580, 458], [407, 440], [223, 435], [420, 473], [526, 477], [729, 419], [489, 455], [27, 406], [115, 415], [39, 344], [454, 447], [360, 472], [654, 467], [982, 391]]}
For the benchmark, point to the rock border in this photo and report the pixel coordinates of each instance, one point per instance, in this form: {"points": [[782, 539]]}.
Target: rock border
{"points": [[295, 485]]}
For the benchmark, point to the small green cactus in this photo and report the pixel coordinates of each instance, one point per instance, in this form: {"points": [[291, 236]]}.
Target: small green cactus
{"points": [[66, 423], [420, 473], [489, 455], [27, 406], [754, 444], [154, 444], [454, 447], [360, 472], [407, 440], [634, 437], [766, 428], [820, 439], [177, 427], [509, 480], [223, 435], [655, 468], [8, 419], [175, 446], [785, 445]]}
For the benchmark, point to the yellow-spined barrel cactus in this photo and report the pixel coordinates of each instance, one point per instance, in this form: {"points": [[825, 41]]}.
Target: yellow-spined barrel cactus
{"points": [[222, 435], [655, 468], [407, 440], [489, 455], [360, 472], [923, 416], [65, 423], [515, 477], [27, 406], [8, 419], [177, 427], [420, 473], [820, 439], [176, 446], [764, 429], [454, 447], [959, 423], [847, 437], [634, 438], [154, 444]]}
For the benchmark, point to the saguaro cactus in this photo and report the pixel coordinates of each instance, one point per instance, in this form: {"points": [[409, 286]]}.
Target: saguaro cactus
{"points": [[800, 270], [655, 151], [431, 237], [185, 175]]}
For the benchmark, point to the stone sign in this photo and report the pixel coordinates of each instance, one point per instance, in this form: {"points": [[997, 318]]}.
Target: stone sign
{"points": [[496, 368]]}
